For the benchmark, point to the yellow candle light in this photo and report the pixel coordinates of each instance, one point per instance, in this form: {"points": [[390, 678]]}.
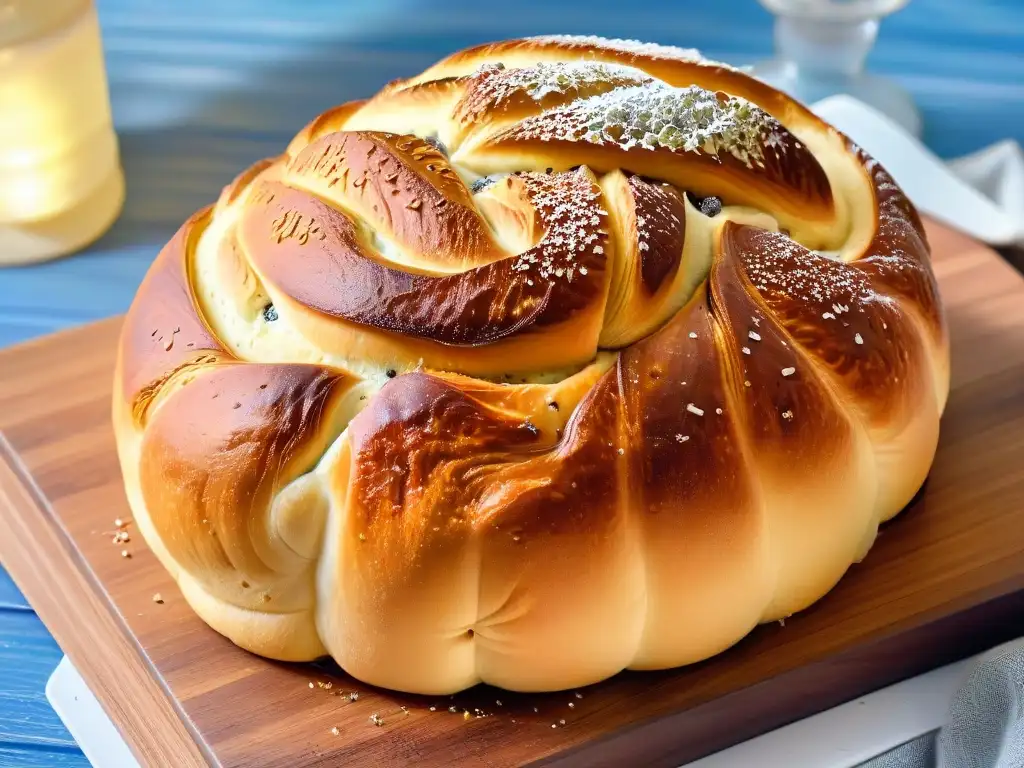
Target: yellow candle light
{"points": [[61, 184]]}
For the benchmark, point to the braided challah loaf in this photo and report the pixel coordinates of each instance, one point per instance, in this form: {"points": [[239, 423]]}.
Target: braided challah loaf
{"points": [[567, 356]]}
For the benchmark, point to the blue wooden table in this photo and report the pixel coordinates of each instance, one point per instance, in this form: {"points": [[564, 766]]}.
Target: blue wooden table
{"points": [[201, 88]]}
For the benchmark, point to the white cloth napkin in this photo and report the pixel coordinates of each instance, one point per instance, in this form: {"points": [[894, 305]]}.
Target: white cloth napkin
{"points": [[985, 724], [981, 194]]}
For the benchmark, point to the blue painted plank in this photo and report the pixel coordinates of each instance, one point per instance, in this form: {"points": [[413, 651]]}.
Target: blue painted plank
{"points": [[28, 655], [937, 47], [19, 756]]}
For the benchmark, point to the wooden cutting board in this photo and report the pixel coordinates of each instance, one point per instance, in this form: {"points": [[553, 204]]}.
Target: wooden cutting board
{"points": [[944, 580]]}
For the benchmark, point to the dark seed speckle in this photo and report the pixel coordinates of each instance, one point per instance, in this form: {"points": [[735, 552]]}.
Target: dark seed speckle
{"points": [[437, 144], [481, 184], [711, 206]]}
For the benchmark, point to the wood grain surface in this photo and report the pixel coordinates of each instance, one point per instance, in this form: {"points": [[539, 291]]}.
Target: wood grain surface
{"points": [[944, 580]]}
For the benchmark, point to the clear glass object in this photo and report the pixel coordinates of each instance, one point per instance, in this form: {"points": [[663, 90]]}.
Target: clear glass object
{"points": [[61, 184], [820, 50]]}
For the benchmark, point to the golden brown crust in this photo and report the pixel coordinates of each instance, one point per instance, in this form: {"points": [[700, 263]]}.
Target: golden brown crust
{"points": [[504, 93], [407, 186], [791, 414], [215, 455], [233, 191], [163, 330], [832, 311], [675, 66], [660, 222], [897, 258], [325, 123], [804, 444], [648, 229], [567, 356], [312, 252], [437, 474], [691, 460], [787, 173]]}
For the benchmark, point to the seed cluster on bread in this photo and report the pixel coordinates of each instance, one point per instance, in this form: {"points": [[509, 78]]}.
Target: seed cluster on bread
{"points": [[566, 356]]}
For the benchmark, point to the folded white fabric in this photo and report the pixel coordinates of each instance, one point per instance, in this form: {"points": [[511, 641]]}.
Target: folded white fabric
{"points": [[985, 724], [981, 194]]}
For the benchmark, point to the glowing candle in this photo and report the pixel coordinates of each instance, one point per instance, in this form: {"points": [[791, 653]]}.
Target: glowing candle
{"points": [[61, 184]]}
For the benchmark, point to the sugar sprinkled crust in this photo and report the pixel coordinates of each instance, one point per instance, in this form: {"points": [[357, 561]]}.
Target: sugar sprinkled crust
{"points": [[496, 87], [567, 78], [635, 47], [572, 213], [659, 116]]}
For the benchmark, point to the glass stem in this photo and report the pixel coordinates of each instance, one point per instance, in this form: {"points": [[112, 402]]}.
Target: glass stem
{"points": [[822, 49]]}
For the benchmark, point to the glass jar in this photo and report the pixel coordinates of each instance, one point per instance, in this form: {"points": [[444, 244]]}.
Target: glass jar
{"points": [[61, 183]]}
